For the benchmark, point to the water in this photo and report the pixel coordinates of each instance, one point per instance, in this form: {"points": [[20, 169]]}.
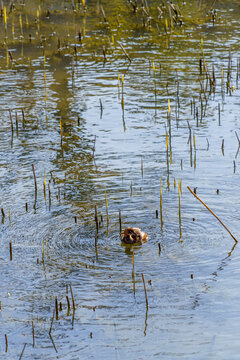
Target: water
{"points": [[85, 148]]}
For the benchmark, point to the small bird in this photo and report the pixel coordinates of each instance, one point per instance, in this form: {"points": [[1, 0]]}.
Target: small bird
{"points": [[133, 236]]}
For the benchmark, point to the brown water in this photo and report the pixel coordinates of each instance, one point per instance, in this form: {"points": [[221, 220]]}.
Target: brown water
{"points": [[86, 139]]}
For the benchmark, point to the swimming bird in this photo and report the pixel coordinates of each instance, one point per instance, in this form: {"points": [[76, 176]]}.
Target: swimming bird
{"points": [[133, 236]]}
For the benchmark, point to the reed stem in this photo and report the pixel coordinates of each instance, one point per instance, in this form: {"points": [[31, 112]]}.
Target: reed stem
{"points": [[213, 214]]}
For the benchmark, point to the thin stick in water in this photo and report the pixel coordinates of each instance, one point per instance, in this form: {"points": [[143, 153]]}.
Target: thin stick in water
{"points": [[10, 250], [120, 221], [50, 330], [35, 179], [213, 214], [56, 307], [6, 342], [96, 218], [125, 52], [69, 306], [53, 342], [33, 334], [22, 351]]}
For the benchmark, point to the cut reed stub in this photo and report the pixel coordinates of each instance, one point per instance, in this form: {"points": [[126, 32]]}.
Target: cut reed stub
{"points": [[133, 236]]}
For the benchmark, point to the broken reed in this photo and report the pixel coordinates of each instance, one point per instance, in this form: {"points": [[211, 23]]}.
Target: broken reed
{"points": [[212, 213]]}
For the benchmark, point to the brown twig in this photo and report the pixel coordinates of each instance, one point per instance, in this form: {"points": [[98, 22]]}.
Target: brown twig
{"points": [[213, 214]]}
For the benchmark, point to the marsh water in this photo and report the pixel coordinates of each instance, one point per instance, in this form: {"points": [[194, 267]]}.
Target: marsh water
{"points": [[104, 101]]}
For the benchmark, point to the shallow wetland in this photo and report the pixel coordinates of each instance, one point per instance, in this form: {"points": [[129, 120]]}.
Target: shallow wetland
{"points": [[109, 110]]}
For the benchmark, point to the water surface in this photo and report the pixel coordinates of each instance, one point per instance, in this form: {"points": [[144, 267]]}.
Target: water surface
{"points": [[98, 125]]}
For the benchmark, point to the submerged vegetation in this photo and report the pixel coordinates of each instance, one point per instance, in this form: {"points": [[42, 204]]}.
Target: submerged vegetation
{"points": [[110, 111]]}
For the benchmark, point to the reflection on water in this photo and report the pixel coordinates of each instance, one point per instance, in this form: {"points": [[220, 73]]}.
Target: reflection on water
{"points": [[101, 131]]}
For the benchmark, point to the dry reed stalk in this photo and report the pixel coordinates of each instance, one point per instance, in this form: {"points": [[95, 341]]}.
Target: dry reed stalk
{"points": [[125, 53], [213, 214], [22, 351]]}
